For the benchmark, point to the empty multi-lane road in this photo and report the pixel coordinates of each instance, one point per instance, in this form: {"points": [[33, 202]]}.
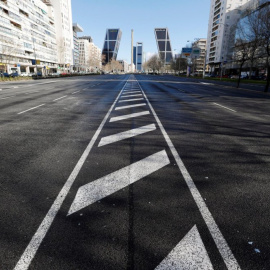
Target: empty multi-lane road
{"points": [[134, 172]]}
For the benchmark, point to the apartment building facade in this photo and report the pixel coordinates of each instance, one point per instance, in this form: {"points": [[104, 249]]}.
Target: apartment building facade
{"points": [[76, 52], [199, 61], [224, 15], [27, 37], [64, 33]]}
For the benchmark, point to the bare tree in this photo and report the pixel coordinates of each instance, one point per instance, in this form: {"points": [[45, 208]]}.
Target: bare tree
{"points": [[154, 63]]}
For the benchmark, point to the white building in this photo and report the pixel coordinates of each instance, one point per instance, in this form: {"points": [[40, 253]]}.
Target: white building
{"points": [[224, 15], [76, 52], [95, 57], [84, 53], [64, 32], [27, 37], [199, 61]]}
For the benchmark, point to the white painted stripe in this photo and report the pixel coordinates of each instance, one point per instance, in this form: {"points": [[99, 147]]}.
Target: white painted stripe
{"points": [[59, 98], [75, 92], [130, 106], [224, 107], [206, 83], [31, 108], [126, 134], [129, 100], [127, 116], [41, 232], [131, 92], [137, 95], [190, 253], [220, 241], [7, 97], [15, 87], [111, 183]]}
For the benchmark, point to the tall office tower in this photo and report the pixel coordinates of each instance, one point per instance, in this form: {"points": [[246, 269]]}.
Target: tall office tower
{"points": [[164, 44], [64, 32], [224, 15], [76, 64], [139, 56], [111, 45], [27, 37]]}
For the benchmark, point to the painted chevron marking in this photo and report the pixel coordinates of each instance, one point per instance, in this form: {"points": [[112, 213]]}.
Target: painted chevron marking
{"points": [[190, 253], [129, 100], [127, 116], [130, 106], [136, 95], [111, 183], [126, 134]]}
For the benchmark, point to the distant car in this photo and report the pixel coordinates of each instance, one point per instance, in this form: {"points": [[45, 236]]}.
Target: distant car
{"points": [[25, 74], [55, 74], [14, 74], [244, 76]]}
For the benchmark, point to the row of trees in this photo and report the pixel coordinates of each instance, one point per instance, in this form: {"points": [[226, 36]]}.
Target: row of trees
{"points": [[252, 43], [156, 65]]}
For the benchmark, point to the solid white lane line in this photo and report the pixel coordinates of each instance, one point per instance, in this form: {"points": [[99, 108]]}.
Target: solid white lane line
{"points": [[59, 98], [130, 106], [111, 183], [220, 241], [127, 116], [7, 97], [45, 225], [137, 95], [75, 92], [129, 100], [15, 87], [224, 107], [31, 109], [126, 134], [190, 253]]}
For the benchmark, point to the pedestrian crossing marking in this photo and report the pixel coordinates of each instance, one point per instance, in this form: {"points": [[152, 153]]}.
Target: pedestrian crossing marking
{"points": [[130, 106]]}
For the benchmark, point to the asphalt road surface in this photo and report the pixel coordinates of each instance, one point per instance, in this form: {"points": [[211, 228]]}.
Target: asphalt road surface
{"points": [[134, 172]]}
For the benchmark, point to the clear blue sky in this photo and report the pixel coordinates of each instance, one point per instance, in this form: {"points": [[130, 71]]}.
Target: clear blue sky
{"points": [[186, 20]]}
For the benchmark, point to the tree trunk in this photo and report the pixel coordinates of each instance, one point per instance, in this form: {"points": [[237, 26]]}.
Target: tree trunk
{"points": [[239, 77], [267, 79]]}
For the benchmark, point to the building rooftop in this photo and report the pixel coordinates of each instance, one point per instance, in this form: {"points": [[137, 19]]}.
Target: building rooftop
{"points": [[76, 27]]}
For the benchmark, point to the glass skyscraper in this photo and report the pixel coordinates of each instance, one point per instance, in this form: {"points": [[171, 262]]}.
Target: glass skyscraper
{"points": [[139, 56], [164, 44], [111, 45]]}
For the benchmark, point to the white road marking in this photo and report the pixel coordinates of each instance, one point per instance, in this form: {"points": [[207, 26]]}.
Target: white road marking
{"points": [[75, 92], [59, 98], [45, 225], [130, 106], [190, 253], [15, 87], [111, 183], [7, 97], [129, 100], [126, 134], [127, 116], [224, 107], [220, 241], [31, 109], [131, 91], [206, 83], [137, 95]]}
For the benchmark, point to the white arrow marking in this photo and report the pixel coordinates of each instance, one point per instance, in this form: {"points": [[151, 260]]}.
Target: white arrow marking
{"points": [[189, 254], [126, 134], [111, 183], [127, 116]]}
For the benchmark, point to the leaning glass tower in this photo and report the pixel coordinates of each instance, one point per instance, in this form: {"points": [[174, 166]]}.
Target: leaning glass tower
{"points": [[111, 45]]}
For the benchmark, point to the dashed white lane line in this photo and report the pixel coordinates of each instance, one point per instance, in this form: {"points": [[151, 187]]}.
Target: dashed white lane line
{"points": [[126, 134], [137, 95], [129, 100], [111, 183], [190, 253], [7, 97], [220, 241], [59, 98], [15, 87], [224, 107], [30, 251], [127, 116], [31, 109], [75, 92], [130, 106]]}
